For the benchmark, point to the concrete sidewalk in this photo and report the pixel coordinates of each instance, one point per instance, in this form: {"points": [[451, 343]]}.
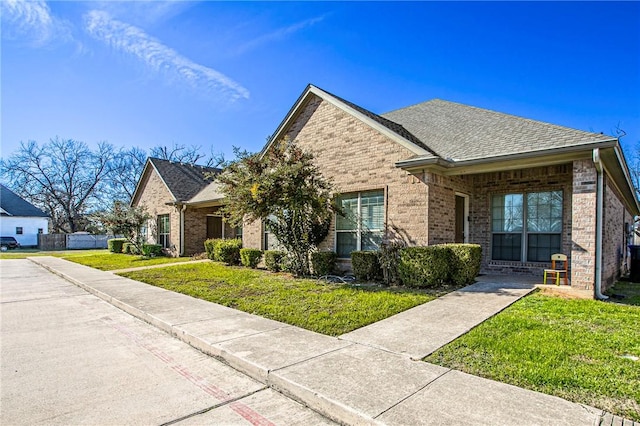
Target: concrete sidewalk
{"points": [[364, 377]]}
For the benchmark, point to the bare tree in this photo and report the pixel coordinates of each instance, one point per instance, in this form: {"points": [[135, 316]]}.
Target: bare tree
{"points": [[126, 168], [187, 154], [63, 177]]}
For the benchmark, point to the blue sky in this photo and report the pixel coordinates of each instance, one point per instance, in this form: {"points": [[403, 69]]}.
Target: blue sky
{"points": [[218, 74]]}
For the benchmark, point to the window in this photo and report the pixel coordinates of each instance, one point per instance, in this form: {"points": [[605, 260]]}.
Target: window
{"points": [[40, 230], [270, 242], [526, 226], [18, 230], [362, 225], [164, 229], [239, 231]]}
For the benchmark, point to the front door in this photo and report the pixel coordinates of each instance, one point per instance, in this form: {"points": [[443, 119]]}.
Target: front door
{"points": [[214, 227], [461, 202]]}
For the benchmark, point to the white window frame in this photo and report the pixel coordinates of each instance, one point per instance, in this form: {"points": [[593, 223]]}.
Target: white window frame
{"points": [[359, 228], [166, 242]]}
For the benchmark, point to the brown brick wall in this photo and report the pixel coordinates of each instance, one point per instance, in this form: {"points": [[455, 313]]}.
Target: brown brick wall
{"points": [[358, 158], [584, 224], [442, 192], [195, 228], [154, 197], [517, 181], [614, 242]]}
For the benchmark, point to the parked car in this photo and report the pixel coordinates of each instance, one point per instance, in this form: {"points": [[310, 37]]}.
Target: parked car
{"points": [[8, 243]]}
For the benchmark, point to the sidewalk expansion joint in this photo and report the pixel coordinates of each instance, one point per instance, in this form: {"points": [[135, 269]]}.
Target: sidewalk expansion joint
{"points": [[213, 407], [412, 394], [307, 359]]}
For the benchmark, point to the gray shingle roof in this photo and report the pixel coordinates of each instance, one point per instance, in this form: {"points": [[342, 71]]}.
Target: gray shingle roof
{"points": [[15, 205], [460, 132], [391, 125], [184, 180]]}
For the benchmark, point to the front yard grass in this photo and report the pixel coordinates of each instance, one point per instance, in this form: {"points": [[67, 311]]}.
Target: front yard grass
{"points": [[22, 253], [585, 351], [107, 261], [625, 292], [330, 309]]}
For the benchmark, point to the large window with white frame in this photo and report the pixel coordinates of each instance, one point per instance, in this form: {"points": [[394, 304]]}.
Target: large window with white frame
{"points": [[164, 230], [362, 226], [526, 226]]}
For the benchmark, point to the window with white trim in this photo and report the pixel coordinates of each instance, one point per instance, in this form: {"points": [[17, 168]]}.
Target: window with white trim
{"points": [[164, 229], [362, 225], [526, 226]]}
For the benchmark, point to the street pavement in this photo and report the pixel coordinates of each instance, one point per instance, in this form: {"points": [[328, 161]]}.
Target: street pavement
{"points": [[371, 376], [69, 357]]}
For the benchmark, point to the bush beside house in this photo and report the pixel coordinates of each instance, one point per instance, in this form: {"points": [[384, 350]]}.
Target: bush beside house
{"points": [[323, 262], [439, 264], [250, 257]]}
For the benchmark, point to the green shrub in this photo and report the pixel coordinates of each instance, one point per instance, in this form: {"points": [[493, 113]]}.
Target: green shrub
{"points": [[465, 265], [274, 259], [425, 266], [228, 251], [365, 264], [323, 262], [152, 250], [210, 247], [389, 258], [129, 248], [250, 257], [115, 244]]}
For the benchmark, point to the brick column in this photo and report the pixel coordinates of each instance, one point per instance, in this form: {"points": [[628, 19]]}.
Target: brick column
{"points": [[583, 218]]}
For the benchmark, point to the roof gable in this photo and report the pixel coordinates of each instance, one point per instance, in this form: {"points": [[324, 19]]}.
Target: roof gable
{"points": [[182, 180], [14, 205], [387, 127]]}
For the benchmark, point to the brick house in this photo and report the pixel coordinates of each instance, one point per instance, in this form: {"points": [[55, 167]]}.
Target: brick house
{"points": [[177, 196], [440, 172]]}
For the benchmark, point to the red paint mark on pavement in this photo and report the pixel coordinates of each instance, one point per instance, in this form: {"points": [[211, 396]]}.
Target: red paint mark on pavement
{"points": [[242, 409]]}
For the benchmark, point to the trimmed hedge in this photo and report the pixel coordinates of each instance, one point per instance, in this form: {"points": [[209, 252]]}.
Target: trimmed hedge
{"points": [[323, 262], [151, 250], [466, 261], [210, 246], [228, 251], [115, 244], [250, 257], [129, 248], [366, 266], [439, 264], [274, 260], [425, 266]]}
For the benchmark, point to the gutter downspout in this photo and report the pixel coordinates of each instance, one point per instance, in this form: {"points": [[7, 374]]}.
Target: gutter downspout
{"points": [[599, 225], [184, 207]]}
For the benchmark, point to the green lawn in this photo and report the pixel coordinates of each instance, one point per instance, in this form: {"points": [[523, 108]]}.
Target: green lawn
{"points": [[579, 350], [629, 291], [325, 308], [112, 261], [24, 253]]}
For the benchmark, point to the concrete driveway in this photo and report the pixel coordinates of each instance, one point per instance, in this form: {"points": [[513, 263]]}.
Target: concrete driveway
{"points": [[71, 358]]}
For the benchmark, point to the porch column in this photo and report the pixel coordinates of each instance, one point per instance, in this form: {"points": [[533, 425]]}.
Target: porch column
{"points": [[583, 219]]}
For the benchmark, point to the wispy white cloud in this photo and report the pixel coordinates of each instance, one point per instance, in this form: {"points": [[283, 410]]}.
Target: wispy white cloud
{"points": [[278, 34], [143, 12], [159, 57], [31, 21]]}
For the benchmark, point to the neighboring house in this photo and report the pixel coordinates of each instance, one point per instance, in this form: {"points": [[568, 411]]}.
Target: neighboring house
{"points": [[440, 172], [21, 219], [165, 190]]}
